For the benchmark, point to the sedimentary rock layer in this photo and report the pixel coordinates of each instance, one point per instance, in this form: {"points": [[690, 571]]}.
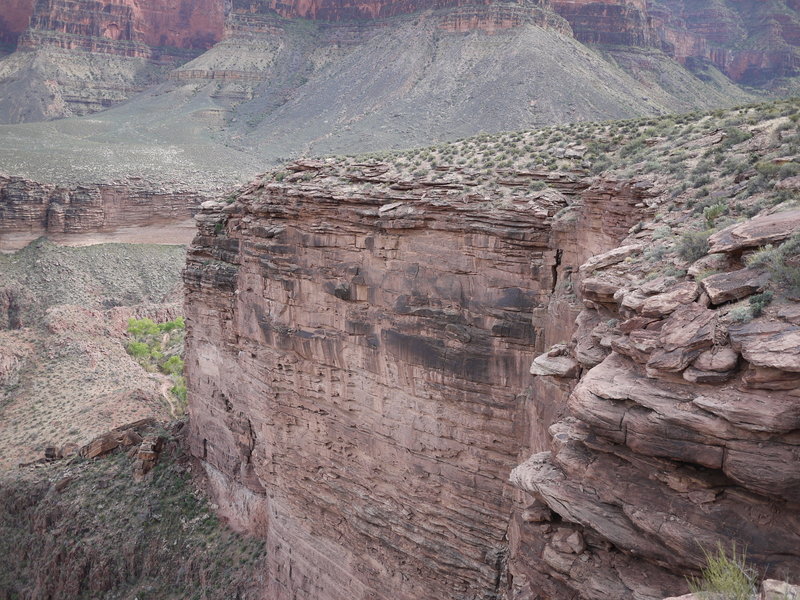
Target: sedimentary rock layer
{"points": [[358, 371], [30, 207], [682, 431]]}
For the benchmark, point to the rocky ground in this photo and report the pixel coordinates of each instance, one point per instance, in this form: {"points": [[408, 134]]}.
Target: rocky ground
{"points": [[64, 371]]}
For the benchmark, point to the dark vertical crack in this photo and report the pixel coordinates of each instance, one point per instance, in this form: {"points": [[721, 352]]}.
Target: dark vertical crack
{"points": [[554, 271]]}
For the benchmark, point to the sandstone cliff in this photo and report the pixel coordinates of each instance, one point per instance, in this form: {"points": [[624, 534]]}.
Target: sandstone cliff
{"points": [[359, 343], [38, 209]]}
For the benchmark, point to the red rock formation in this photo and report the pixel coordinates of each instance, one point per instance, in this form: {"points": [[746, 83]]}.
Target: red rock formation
{"points": [[27, 206], [358, 371], [143, 29], [751, 42], [624, 22], [14, 19], [681, 434]]}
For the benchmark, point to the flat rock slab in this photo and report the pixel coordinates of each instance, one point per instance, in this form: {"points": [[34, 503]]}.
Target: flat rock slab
{"points": [[663, 304], [755, 232], [768, 344], [612, 257], [555, 366], [734, 285]]}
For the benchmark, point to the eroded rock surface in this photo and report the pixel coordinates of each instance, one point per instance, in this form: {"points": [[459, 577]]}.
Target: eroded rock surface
{"points": [[358, 364]]}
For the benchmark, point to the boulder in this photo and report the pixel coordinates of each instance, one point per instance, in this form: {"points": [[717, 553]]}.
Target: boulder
{"points": [[725, 287], [772, 589], [555, 366], [756, 232], [718, 358], [612, 257], [768, 344], [663, 304]]}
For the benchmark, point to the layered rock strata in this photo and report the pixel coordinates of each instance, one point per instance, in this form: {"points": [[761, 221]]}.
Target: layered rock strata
{"points": [[682, 430], [357, 365], [31, 207]]}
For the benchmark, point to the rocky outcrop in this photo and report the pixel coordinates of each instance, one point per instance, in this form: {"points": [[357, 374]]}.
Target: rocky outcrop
{"points": [[358, 368], [751, 42], [623, 22], [31, 207], [681, 435]]}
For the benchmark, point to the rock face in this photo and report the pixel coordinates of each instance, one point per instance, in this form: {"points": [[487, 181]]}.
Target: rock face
{"points": [[751, 42], [623, 22], [14, 20], [358, 371], [683, 435], [143, 29], [30, 207]]}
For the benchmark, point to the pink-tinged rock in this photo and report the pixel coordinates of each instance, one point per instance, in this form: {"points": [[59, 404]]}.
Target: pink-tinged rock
{"points": [[684, 335], [601, 289], [693, 375], [612, 257], [718, 358], [725, 287], [768, 344], [663, 304], [753, 410], [555, 366], [764, 378], [759, 231], [711, 262]]}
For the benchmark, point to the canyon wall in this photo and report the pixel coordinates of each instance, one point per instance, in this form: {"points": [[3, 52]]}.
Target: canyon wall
{"points": [[681, 433], [358, 369], [30, 207]]}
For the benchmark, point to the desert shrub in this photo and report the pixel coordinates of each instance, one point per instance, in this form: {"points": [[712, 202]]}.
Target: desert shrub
{"points": [[782, 262], [711, 213], [727, 577], [759, 302], [693, 245]]}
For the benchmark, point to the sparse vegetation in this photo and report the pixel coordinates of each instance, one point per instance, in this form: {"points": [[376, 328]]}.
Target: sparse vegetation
{"points": [[783, 263], [693, 245], [726, 576], [159, 347]]}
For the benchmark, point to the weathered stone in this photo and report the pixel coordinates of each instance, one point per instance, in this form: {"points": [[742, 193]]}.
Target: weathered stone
{"points": [[711, 263], [699, 376], [768, 344], [609, 258], [758, 231], [718, 358], [685, 334], [725, 287], [663, 304], [601, 289], [555, 366], [772, 589], [100, 446]]}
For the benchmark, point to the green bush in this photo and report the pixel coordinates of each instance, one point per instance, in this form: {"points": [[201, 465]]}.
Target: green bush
{"points": [[711, 213], [173, 365], [759, 302], [727, 577], [693, 245], [782, 262]]}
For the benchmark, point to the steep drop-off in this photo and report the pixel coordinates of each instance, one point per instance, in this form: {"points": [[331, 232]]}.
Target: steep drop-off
{"points": [[358, 354]]}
